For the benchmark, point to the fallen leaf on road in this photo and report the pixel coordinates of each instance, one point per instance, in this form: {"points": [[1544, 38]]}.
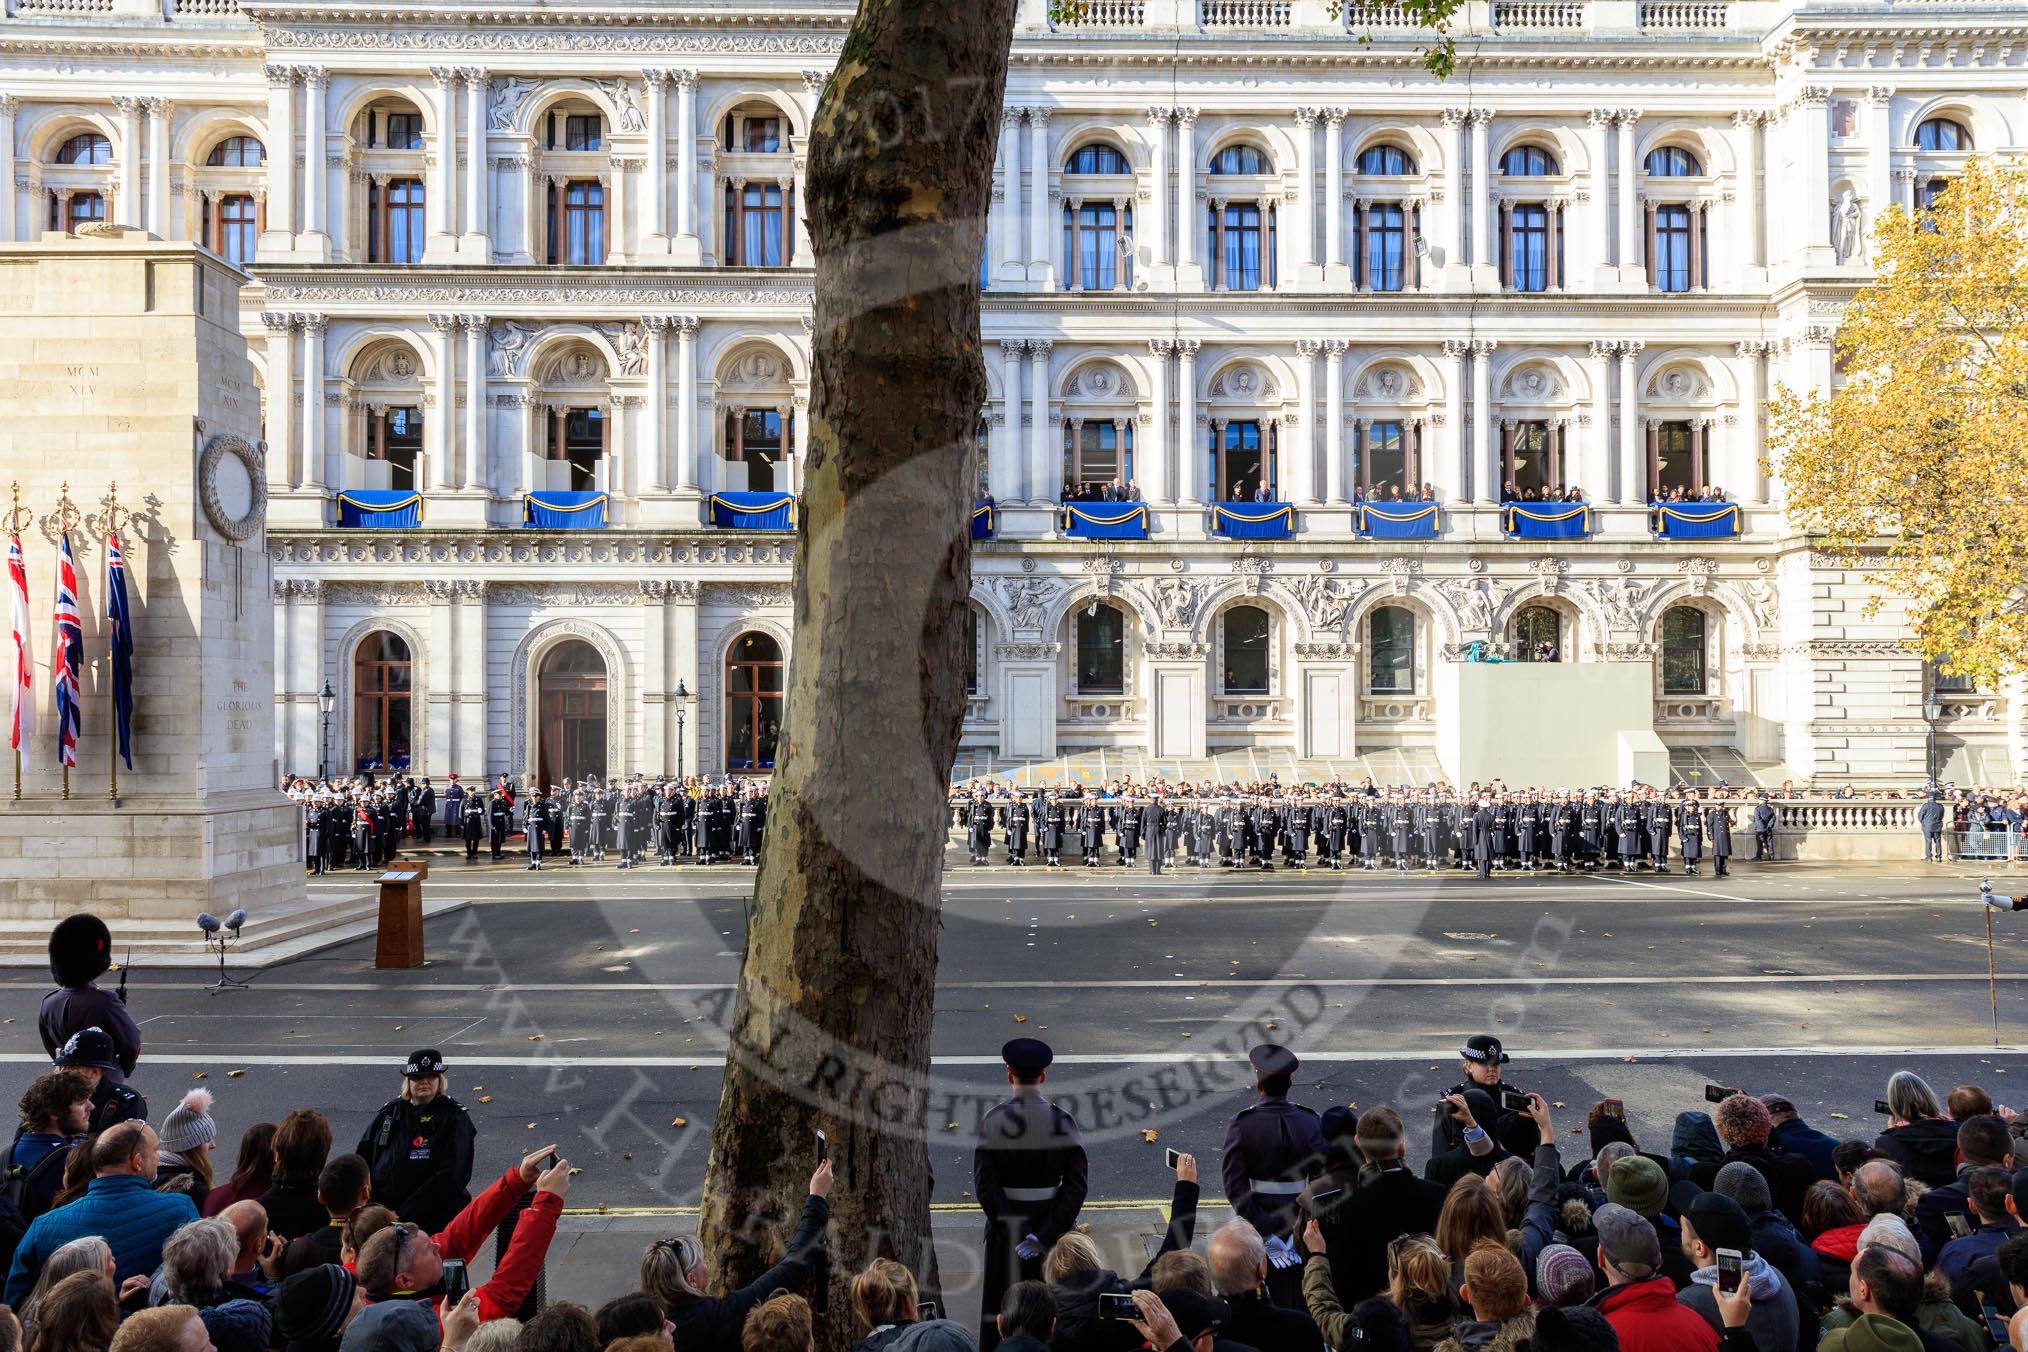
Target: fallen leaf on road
{"points": [[200, 1075], [680, 1122], [535, 1037], [1150, 1134], [1020, 1018], [1841, 1117], [485, 1098], [234, 1074]]}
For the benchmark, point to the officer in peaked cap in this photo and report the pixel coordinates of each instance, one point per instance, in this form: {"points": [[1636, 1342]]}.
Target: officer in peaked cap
{"points": [[90, 1052], [1271, 1146], [1029, 1174], [419, 1147], [80, 952]]}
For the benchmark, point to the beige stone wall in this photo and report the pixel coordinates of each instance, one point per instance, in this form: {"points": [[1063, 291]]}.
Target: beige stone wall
{"points": [[121, 362]]}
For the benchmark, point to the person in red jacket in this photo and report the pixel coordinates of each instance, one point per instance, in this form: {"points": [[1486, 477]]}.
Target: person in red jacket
{"points": [[1638, 1302], [402, 1262]]}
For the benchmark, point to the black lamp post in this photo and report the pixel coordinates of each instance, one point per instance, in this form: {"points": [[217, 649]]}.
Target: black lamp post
{"points": [[327, 698], [682, 707], [1932, 710]]}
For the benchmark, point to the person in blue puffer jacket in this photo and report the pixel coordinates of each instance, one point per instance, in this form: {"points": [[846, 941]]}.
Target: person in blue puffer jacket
{"points": [[120, 1206]]}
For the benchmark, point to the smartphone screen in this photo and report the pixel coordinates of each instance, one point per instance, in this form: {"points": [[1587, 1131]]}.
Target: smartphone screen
{"points": [[1513, 1102], [456, 1281], [1117, 1305], [1880, 1106], [1613, 1108], [926, 1310], [823, 1148], [1174, 1157], [1730, 1263], [1960, 1224], [1717, 1093]]}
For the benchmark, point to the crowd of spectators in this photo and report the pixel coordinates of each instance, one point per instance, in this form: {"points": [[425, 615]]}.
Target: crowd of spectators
{"points": [[128, 1239]]}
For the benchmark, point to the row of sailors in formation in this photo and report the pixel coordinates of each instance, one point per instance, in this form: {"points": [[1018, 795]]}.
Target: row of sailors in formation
{"points": [[1428, 829], [362, 827], [587, 821]]}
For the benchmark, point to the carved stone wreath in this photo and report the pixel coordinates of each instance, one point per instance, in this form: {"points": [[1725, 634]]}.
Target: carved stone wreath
{"points": [[238, 529]]}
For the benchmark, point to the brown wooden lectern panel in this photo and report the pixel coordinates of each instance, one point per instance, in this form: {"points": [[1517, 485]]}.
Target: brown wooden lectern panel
{"points": [[401, 919]]}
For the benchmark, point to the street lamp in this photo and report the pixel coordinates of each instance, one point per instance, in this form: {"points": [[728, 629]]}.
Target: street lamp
{"points": [[682, 705], [1932, 710], [326, 699]]}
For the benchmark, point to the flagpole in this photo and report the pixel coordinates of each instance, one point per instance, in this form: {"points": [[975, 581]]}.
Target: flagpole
{"points": [[109, 522], [66, 518], [14, 524]]}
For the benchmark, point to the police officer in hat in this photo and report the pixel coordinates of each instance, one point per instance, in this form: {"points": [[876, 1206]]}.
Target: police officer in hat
{"points": [[1029, 1174], [80, 952], [90, 1053], [419, 1147], [1482, 1057], [1270, 1147]]}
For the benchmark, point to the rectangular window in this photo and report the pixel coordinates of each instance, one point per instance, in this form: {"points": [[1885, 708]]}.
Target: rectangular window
{"points": [[404, 131], [1386, 459], [584, 131], [236, 229], [1242, 463], [763, 135], [584, 222], [1672, 248], [1528, 249], [754, 221], [395, 221], [1241, 262], [403, 446], [1095, 238], [1386, 236], [1096, 456]]}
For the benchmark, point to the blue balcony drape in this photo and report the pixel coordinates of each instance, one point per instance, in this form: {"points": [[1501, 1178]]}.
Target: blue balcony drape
{"points": [[379, 508]]}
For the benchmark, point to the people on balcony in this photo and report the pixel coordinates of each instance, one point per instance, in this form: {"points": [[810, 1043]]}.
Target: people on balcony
{"points": [[1116, 491]]}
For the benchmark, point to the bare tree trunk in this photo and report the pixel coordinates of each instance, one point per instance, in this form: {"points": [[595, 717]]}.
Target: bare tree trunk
{"points": [[832, 1024]]}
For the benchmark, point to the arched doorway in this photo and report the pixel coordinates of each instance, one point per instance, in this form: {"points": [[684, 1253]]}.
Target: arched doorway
{"points": [[572, 686], [382, 721], [753, 703]]}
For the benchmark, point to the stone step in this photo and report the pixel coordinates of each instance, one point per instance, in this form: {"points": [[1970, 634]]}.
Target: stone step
{"points": [[321, 922]]}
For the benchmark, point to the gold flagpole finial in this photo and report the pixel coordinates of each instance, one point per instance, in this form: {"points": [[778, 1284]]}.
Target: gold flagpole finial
{"points": [[17, 516], [67, 516]]}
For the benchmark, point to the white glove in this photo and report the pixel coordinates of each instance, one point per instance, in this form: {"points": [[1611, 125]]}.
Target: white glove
{"points": [[1029, 1248], [1281, 1253]]}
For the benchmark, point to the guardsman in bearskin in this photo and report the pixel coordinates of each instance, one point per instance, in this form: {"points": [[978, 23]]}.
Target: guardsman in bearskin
{"points": [[80, 952]]}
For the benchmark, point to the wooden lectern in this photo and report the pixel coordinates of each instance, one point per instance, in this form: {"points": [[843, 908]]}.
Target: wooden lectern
{"points": [[401, 919]]}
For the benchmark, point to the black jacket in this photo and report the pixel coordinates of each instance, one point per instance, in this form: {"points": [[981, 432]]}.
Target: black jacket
{"points": [[1258, 1322], [1788, 1176], [1358, 1230], [714, 1325], [1925, 1150], [1078, 1326], [421, 1159]]}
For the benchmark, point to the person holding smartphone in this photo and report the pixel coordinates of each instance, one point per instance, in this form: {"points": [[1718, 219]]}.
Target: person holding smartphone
{"points": [[1718, 1241]]}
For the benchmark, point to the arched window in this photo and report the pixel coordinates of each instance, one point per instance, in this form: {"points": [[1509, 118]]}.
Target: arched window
{"points": [[1538, 635], [1390, 643], [236, 152], [1096, 158], [1527, 162], [381, 716], [1385, 159], [87, 147], [1246, 651], [1683, 651], [1673, 162], [753, 703], [1241, 159], [1101, 650], [1942, 133]]}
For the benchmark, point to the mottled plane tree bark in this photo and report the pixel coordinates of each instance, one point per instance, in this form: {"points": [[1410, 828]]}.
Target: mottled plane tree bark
{"points": [[831, 1024]]}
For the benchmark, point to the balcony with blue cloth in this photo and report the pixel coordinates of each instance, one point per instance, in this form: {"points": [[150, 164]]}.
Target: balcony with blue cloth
{"points": [[1546, 520], [753, 511], [560, 509], [985, 520], [1105, 520], [1694, 520], [1253, 520], [379, 508], [1398, 520]]}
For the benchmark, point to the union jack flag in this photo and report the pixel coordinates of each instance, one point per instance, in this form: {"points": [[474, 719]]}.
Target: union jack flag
{"points": [[69, 664]]}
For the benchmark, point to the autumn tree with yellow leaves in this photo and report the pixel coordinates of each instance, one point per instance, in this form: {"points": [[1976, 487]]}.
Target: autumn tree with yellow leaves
{"points": [[1920, 456]]}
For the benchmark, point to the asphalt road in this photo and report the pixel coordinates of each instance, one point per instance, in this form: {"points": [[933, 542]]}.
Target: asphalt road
{"points": [[588, 1007]]}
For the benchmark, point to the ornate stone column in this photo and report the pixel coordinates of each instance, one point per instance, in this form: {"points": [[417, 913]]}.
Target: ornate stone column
{"points": [[476, 471], [1003, 464], [686, 403], [1450, 472], [1303, 461], [160, 171], [1633, 264], [655, 181], [1154, 450], [316, 473], [1156, 229], [1630, 421], [1039, 222], [1482, 188], [8, 189], [127, 208], [1187, 272], [1302, 248], [1485, 461], [1334, 421], [1597, 476], [685, 82], [478, 239], [1188, 467], [439, 218], [281, 161], [284, 470], [1334, 196], [1746, 471], [656, 451], [1042, 475], [1598, 231], [440, 428], [1451, 236]]}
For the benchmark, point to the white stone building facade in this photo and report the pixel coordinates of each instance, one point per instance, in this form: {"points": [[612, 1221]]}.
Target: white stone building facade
{"points": [[549, 249]]}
